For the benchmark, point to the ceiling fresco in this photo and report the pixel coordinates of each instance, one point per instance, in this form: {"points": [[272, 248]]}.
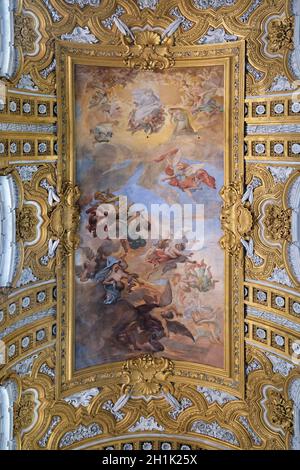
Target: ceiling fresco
{"points": [[149, 342]]}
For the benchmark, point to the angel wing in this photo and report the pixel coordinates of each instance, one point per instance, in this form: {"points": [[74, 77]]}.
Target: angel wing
{"points": [[176, 160], [179, 329], [167, 155], [193, 169]]}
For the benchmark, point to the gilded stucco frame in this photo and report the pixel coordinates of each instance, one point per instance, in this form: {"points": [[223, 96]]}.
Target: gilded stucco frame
{"points": [[232, 56]]}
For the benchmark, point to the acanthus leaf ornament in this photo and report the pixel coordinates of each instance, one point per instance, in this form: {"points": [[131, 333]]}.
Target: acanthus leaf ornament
{"points": [[25, 33], [281, 35], [147, 375], [23, 413], [26, 223], [280, 410], [149, 51], [277, 223]]}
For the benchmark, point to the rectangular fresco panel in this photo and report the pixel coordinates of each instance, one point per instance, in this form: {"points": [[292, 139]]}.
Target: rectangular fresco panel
{"points": [[156, 138]]}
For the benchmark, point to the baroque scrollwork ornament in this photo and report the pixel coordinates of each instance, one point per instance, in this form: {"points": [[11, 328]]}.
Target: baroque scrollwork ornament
{"points": [[281, 34], [147, 375], [27, 223], [236, 218], [25, 33], [277, 222], [149, 51], [272, 230], [23, 412], [65, 218]]}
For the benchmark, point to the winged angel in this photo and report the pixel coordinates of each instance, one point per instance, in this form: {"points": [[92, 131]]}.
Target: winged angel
{"points": [[185, 176], [148, 114]]}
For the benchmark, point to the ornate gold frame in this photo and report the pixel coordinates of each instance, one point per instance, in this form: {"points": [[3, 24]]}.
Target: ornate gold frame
{"points": [[152, 54]]}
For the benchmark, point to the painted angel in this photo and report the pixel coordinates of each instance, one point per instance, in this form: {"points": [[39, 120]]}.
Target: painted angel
{"points": [[199, 277], [207, 103], [185, 176], [97, 213], [168, 253], [148, 114]]}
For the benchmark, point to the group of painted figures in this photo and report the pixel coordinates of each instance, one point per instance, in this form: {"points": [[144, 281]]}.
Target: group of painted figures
{"points": [[161, 309], [165, 297]]}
